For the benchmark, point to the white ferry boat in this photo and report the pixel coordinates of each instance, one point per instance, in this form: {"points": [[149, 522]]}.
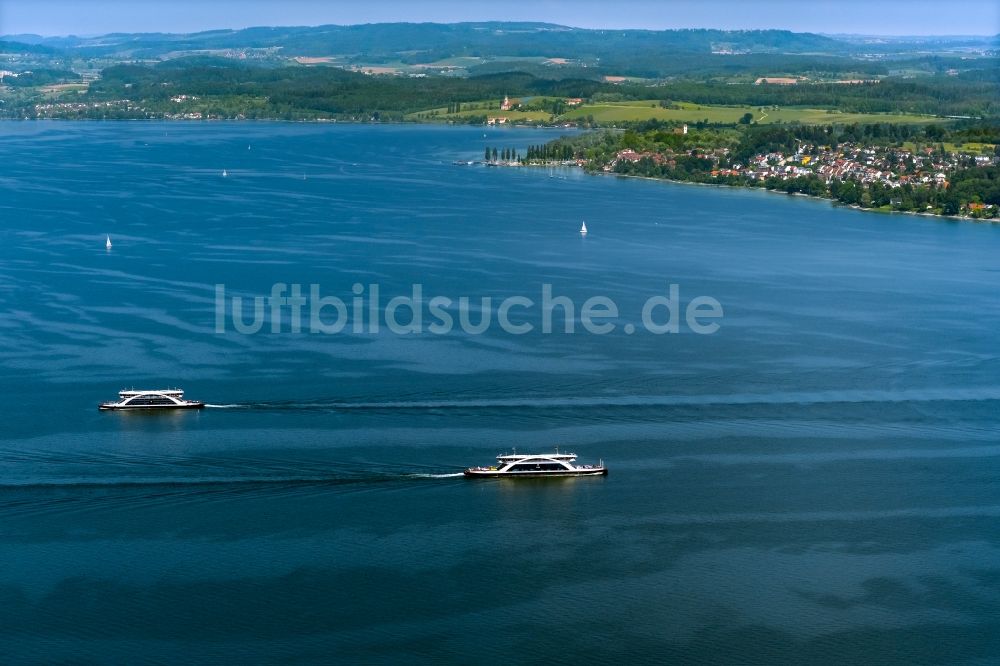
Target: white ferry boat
{"points": [[152, 399], [522, 465]]}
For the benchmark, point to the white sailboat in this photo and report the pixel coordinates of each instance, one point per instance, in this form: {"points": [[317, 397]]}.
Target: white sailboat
{"points": [[224, 173], [107, 243], [583, 229]]}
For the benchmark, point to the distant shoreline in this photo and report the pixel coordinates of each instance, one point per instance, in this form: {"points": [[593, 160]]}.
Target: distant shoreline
{"points": [[957, 218], [834, 202], [315, 121]]}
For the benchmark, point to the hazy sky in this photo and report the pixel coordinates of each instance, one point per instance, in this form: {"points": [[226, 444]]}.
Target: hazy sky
{"points": [[894, 17]]}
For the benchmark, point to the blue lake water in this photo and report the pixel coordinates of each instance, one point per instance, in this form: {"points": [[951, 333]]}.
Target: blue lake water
{"points": [[816, 482]]}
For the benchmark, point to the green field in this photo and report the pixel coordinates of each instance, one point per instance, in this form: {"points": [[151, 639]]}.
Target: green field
{"points": [[967, 147], [55, 90], [611, 112], [692, 113], [973, 147]]}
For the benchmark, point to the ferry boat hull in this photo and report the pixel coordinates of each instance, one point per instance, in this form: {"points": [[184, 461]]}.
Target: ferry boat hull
{"points": [[114, 406], [474, 473], [535, 466]]}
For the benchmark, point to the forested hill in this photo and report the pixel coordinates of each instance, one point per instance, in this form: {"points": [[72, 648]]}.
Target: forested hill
{"points": [[22, 47], [390, 70], [226, 89], [305, 92], [542, 49], [426, 42]]}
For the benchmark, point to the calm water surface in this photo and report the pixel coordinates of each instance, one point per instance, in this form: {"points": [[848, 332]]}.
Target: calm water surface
{"points": [[815, 483]]}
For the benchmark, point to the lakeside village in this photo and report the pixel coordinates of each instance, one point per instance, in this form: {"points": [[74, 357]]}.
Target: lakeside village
{"points": [[863, 167]]}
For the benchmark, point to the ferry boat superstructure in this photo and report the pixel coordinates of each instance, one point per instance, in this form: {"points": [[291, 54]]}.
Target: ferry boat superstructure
{"points": [[151, 399], [522, 465]]}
